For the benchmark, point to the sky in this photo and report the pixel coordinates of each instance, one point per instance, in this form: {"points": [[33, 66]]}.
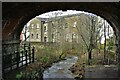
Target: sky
{"points": [[61, 13]]}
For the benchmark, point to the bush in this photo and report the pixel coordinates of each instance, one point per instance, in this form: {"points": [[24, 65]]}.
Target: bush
{"points": [[33, 72]]}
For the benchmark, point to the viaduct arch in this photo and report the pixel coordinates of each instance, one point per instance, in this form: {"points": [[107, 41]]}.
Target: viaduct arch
{"points": [[16, 15]]}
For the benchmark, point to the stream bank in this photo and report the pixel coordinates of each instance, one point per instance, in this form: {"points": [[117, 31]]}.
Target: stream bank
{"points": [[60, 69]]}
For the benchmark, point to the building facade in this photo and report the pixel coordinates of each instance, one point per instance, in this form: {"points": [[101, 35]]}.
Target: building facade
{"points": [[66, 29]]}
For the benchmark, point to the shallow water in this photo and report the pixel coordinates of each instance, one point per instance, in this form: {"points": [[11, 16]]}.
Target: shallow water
{"points": [[60, 70]]}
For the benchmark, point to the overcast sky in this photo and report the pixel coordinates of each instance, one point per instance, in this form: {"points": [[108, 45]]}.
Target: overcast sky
{"points": [[61, 13]]}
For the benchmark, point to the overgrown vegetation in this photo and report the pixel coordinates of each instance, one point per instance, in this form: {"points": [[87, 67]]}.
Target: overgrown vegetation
{"points": [[33, 71], [82, 39], [44, 57]]}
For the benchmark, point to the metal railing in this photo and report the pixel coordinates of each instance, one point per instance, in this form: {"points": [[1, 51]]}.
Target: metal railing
{"points": [[18, 59]]}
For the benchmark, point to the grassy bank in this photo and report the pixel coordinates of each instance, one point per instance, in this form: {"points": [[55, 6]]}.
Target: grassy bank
{"points": [[45, 56], [97, 59]]}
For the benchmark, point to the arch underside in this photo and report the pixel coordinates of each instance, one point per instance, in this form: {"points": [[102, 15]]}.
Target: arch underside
{"points": [[16, 15]]}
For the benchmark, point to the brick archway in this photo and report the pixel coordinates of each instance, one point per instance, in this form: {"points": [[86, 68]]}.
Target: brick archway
{"points": [[16, 15]]}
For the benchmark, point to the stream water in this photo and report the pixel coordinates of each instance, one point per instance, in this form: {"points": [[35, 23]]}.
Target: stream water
{"points": [[60, 70]]}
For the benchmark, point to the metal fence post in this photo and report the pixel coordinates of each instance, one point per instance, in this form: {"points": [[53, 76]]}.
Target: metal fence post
{"points": [[26, 56], [17, 56], [29, 52], [22, 52], [33, 54]]}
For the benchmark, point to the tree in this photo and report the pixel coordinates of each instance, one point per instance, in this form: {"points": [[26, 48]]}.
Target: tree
{"points": [[90, 35]]}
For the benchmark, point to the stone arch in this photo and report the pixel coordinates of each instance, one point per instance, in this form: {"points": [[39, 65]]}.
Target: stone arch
{"points": [[16, 15], [25, 13]]}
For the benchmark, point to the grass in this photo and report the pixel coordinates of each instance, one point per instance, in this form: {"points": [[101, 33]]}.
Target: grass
{"points": [[45, 55], [82, 63]]}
